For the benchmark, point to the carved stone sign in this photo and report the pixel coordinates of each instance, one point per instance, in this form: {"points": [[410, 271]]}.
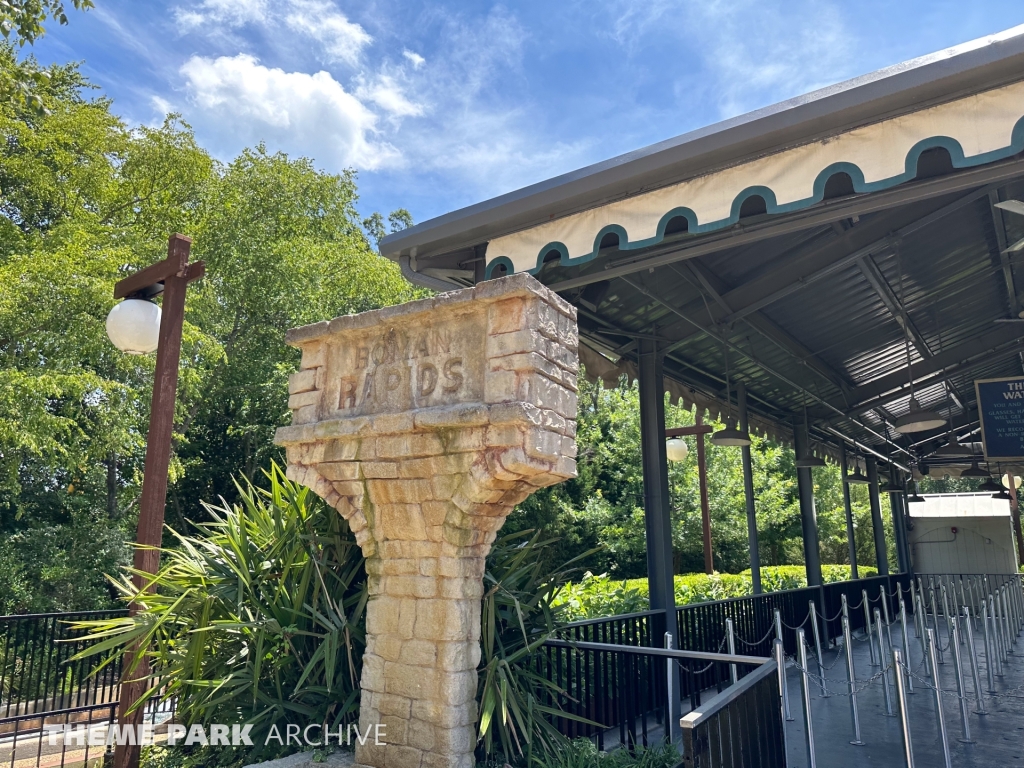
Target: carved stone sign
{"points": [[424, 425]]}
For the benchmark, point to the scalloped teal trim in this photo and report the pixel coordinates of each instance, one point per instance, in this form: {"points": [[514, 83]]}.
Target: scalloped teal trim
{"points": [[951, 145]]}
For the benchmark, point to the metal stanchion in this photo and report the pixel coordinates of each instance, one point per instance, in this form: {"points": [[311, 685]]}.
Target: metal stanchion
{"points": [[672, 712], [730, 639], [1010, 633], [932, 645], [913, 604], [817, 647], [906, 640], [882, 656], [924, 637], [973, 651], [997, 634], [989, 650], [901, 700], [946, 614], [852, 677], [961, 689], [801, 649], [885, 614], [785, 688], [779, 652], [867, 624], [935, 617], [963, 599]]}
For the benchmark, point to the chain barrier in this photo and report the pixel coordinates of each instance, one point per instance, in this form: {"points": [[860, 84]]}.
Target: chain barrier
{"points": [[771, 632], [836, 617], [798, 626]]}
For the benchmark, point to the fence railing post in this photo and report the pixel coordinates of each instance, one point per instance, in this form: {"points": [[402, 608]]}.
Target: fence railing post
{"points": [[943, 736], [901, 701], [801, 650]]}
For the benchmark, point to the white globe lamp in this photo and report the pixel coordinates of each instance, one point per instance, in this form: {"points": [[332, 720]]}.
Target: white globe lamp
{"points": [[676, 449], [134, 326]]}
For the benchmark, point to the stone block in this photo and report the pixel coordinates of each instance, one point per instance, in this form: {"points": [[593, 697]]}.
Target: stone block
{"points": [[412, 586], [515, 343], [313, 356], [543, 445], [379, 469], [399, 756], [506, 316], [415, 683], [303, 381], [343, 428], [388, 647], [339, 470], [457, 688], [392, 423], [500, 387], [420, 734], [419, 653], [449, 464], [434, 512], [341, 450], [394, 728], [457, 657], [516, 413], [307, 414], [399, 706], [458, 415], [504, 435], [399, 490]]}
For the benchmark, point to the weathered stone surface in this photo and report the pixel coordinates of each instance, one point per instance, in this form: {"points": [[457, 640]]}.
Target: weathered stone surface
{"points": [[424, 425]]}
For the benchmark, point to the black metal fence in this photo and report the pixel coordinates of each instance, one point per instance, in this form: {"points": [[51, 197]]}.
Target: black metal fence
{"points": [[742, 727]]}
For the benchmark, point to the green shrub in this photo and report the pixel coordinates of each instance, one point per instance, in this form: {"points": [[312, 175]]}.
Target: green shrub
{"points": [[582, 753], [596, 596]]}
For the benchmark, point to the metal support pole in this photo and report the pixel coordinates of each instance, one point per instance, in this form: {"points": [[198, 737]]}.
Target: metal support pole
{"points": [[748, 492], [779, 652], [899, 527], [785, 688], [817, 647], [932, 645], [808, 517], [657, 520], [705, 506], [851, 541], [913, 603], [882, 657], [906, 640], [867, 623], [730, 640], [997, 635], [801, 644], [973, 651], [901, 700], [852, 677], [881, 553], [961, 689]]}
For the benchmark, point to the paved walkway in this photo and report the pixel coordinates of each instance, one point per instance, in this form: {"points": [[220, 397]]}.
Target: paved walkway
{"points": [[998, 736]]}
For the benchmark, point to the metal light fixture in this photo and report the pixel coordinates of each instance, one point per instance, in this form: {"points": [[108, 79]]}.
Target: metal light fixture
{"points": [[913, 496], [975, 471], [918, 419], [893, 488], [990, 486], [858, 477], [808, 460], [731, 434], [134, 326], [1001, 495], [1005, 480], [677, 449], [954, 448]]}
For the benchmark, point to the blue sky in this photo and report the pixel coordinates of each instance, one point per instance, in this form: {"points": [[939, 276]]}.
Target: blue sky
{"points": [[442, 104]]}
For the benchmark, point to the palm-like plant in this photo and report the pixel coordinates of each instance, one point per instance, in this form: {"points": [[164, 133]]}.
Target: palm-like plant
{"points": [[257, 618], [517, 703]]}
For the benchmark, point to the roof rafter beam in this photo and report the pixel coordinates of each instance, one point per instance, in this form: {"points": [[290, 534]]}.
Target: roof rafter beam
{"points": [[766, 368], [962, 357], [899, 313]]}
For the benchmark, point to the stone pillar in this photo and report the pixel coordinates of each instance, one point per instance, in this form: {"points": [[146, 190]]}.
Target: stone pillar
{"points": [[424, 425]]}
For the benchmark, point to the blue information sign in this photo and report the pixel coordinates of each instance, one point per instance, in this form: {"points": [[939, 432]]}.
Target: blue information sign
{"points": [[1001, 407]]}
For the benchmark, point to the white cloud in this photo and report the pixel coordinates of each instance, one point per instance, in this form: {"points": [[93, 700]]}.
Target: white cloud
{"points": [[342, 40], [215, 13], [239, 101], [417, 60], [387, 93]]}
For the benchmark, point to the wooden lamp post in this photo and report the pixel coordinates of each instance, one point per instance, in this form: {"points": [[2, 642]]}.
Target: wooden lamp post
{"points": [[131, 325]]}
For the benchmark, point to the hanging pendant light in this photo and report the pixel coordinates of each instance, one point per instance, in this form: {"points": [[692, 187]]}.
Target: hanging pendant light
{"points": [[975, 471], [917, 419], [731, 434], [1001, 495], [858, 477], [954, 448], [914, 497], [990, 486], [808, 460]]}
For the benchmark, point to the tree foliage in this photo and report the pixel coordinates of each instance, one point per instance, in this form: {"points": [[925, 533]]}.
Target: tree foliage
{"points": [[85, 200]]}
